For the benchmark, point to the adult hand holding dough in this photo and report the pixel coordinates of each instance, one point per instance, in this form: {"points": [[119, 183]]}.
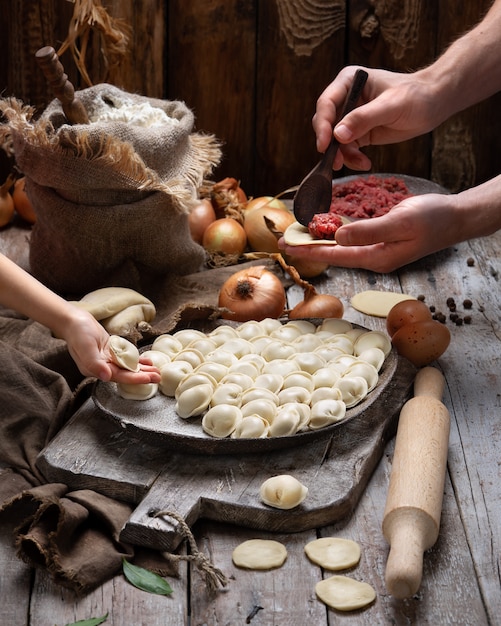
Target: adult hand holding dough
{"points": [[413, 507]]}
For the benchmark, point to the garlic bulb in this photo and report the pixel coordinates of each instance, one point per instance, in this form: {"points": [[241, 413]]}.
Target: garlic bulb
{"points": [[283, 492]]}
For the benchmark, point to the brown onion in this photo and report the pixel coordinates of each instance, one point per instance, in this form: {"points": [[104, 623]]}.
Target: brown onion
{"points": [[315, 304], [269, 201], [226, 192], [225, 236], [306, 267], [260, 238], [199, 219], [253, 293]]}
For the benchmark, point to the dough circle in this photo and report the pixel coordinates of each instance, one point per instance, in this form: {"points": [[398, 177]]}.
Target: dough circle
{"points": [[345, 594], [377, 303], [333, 553], [261, 554]]}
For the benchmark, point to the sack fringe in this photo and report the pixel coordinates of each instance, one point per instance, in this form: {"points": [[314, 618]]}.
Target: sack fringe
{"points": [[112, 153]]}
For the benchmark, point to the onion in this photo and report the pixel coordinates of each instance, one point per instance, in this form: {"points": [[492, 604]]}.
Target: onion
{"points": [[254, 293], [260, 238], [268, 201], [6, 202], [225, 236], [306, 267], [315, 304], [225, 193], [199, 218], [22, 203]]}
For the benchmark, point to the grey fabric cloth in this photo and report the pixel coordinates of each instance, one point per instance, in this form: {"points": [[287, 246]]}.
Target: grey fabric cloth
{"points": [[74, 535]]}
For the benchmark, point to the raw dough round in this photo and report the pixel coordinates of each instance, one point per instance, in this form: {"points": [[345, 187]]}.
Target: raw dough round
{"points": [[259, 554], [377, 303], [344, 593], [333, 553]]}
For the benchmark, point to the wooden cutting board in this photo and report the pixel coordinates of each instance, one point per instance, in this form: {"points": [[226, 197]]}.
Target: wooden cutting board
{"points": [[95, 452]]}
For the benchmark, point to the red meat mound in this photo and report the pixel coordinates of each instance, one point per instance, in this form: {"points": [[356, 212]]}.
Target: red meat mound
{"points": [[324, 225], [372, 196]]}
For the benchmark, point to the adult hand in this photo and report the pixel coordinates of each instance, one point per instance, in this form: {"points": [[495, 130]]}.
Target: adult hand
{"points": [[414, 228], [395, 107]]}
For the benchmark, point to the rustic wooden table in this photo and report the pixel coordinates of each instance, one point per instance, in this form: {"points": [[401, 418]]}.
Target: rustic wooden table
{"points": [[461, 581]]}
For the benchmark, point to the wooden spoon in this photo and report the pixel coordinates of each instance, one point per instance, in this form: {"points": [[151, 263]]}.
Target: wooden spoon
{"points": [[314, 194]]}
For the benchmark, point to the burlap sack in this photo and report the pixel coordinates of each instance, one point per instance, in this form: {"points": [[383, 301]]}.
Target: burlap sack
{"points": [[111, 196]]}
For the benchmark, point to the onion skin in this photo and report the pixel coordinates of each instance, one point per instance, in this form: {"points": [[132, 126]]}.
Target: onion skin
{"points": [[226, 191], [319, 305], [254, 293], [225, 236]]}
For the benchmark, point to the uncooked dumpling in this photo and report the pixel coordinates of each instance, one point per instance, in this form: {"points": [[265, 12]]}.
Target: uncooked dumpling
{"points": [[345, 594], [141, 391], [123, 353], [333, 553], [283, 492], [259, 554]]}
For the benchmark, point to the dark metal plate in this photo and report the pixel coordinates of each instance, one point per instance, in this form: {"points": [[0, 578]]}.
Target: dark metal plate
{"points": [[156, 420]]}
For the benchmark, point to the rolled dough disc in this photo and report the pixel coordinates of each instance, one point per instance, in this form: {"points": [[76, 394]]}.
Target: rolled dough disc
{"points": [[377, 303], [333, 553], [259, 554], [344, 593]]}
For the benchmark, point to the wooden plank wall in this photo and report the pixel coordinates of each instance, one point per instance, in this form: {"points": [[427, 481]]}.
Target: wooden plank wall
{"points": [[252, 70]]}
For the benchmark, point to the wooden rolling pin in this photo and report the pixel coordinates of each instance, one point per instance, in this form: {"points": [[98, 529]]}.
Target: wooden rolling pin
{"points": [[53, 70], [411, 519]]}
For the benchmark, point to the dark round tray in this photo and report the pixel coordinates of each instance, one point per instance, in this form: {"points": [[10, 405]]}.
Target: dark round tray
{"points": [[156, 421]]}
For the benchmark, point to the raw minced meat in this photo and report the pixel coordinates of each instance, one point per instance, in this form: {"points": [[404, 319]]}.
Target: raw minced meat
{"points": [[371, 196], [324, 225]]}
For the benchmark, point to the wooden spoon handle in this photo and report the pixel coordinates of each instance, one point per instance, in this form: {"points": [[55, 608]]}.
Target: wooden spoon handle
{"points": [[349, 104], [54, 73]]}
